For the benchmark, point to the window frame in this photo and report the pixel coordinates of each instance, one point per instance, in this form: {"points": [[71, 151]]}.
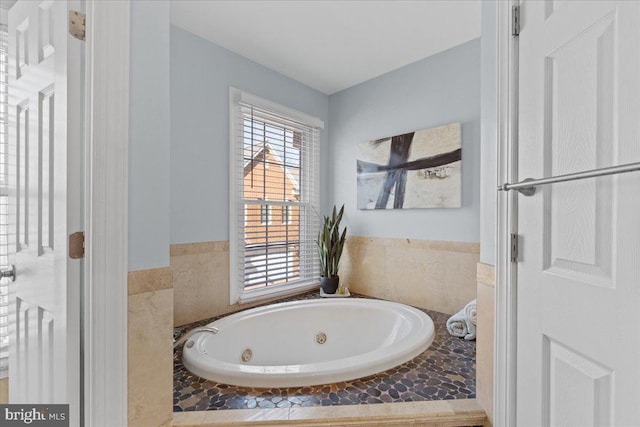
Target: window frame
{"points": [[237, 294], [265, 215], [286, 213]]}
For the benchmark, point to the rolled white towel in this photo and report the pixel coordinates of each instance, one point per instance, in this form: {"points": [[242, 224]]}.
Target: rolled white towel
{"points": [[457, 325], [471, 330], [461, 325], [471, 312]]}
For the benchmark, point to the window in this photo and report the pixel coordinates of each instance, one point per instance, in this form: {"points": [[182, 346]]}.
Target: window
{"points": [[274, 169], [265, 214], [287, 213]]}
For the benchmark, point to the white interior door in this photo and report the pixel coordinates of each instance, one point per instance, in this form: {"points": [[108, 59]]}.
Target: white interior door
{"points": [[578, 281], [45, 149]]}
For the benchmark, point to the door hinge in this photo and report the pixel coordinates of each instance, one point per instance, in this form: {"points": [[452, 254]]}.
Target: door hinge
{"points": [[77, 24], [515, 20], [76, 245], [514, 247]]}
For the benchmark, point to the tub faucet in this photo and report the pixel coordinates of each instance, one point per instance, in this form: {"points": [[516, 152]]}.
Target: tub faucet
{"points": [[187, 335]]}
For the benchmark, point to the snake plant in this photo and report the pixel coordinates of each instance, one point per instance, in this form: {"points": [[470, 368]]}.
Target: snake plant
{"points": [[330, 243]]}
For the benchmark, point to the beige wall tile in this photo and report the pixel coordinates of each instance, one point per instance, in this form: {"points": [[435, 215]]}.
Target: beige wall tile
{"points": [[150, 363], [431, 409], [416, 276], [462, 247], [463, 406], [362, 268], [437, 276], [373, 422], [486, 274], [149, 280], [272, 416], [484, 339], [329, 412], [201, 282], [432, 413], [188, 419], [198, 248], [459, 280], [433, 275], [4, 390]]}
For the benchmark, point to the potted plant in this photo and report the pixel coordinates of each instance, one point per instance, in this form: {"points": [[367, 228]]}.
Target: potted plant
{"points": [[330, 244]]}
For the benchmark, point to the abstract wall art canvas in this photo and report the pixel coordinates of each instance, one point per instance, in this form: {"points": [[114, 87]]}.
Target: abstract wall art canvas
{"points": [[420, 169]]}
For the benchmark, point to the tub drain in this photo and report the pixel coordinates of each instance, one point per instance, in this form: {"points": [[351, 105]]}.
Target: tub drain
{"points": [[246, 355], [321, 338]]}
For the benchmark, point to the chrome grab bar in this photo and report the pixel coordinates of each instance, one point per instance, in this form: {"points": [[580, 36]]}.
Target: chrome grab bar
{"points": [[528, 186], [187, 335]]}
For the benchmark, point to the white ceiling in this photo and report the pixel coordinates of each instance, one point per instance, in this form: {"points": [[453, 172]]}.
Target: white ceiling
{"points": [[331, 45]]}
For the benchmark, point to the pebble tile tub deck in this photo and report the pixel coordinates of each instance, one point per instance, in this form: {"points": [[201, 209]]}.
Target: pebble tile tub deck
{"points": [[446, 370]]}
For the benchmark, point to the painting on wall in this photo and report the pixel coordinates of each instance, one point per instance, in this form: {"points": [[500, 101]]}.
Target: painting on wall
{"points": [[420, 169]]}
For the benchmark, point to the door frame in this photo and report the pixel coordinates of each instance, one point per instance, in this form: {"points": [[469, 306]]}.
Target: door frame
{"points": [[104, 320], [506, 310]]}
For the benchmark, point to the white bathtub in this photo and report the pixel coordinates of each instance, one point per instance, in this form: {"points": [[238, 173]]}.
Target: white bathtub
{"points": [[362, 337]]}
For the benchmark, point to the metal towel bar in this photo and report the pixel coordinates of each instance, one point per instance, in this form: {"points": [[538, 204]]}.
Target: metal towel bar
{"points": [[528, 186]]}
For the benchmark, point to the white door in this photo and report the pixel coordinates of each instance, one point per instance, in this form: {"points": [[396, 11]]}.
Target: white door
{"points": [[44, 178], [578, 280]]}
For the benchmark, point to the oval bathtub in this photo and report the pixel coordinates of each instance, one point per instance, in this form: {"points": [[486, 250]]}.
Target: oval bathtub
{"points": [[309, 342]]}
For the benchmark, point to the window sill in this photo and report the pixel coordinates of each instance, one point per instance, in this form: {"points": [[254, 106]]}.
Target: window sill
{"points": [[276, 291]]}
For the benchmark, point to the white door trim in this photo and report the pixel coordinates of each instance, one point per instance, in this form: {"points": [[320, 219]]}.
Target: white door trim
{"points": [[106, 216], [504, 396]]}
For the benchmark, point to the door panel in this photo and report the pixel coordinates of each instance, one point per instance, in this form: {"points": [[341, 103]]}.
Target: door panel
{"points": [[45, 127], [580, 390], [578, 277], [579, 136], [40, 312]]}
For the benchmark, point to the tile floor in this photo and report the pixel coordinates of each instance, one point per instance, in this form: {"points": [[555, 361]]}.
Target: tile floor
{"points": [[446, 370]]}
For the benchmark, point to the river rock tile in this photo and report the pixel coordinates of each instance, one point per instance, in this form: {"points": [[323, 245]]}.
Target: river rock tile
{"points": [[446, 370]]}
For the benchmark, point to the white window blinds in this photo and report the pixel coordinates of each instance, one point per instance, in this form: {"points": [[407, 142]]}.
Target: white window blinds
{"points": [[274, 197]]}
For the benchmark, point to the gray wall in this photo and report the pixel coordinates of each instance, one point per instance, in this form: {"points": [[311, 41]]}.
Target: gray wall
{"points": [[201, 73], [437, 90], [488, 161], [149, 136]]}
